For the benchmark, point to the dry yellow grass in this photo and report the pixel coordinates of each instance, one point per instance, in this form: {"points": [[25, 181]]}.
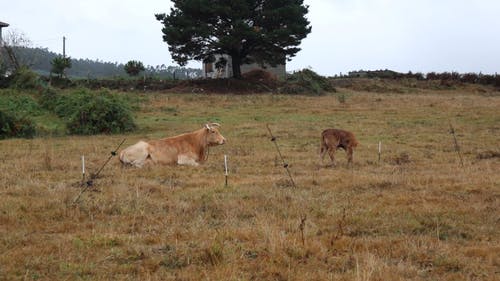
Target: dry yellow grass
{"points": [[416, 215]]}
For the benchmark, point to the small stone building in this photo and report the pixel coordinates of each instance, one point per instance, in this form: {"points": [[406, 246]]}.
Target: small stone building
{"points": [[211, 71], [2, 25]]}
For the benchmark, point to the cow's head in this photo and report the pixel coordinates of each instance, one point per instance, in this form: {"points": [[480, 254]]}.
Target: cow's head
{"points": [[213, 135]]}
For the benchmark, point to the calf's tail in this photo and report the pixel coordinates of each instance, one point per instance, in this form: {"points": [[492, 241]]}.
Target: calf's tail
{"points": [[354, 143]]}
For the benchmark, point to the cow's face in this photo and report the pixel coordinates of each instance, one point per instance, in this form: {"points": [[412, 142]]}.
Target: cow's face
{"points": [[213, 135]]}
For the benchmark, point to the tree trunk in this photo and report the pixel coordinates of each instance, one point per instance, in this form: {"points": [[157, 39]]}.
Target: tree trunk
{"points": [[236, 63]]}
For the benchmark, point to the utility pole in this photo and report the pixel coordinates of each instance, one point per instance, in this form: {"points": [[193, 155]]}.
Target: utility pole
{"points": [[64, 46]]}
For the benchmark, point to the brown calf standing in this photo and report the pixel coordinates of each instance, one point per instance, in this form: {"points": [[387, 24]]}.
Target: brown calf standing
{"points": [[331, 139]]}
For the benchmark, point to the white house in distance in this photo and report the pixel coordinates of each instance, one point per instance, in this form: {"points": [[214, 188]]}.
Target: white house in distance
{"points": [[2, 25], [210, 71]]}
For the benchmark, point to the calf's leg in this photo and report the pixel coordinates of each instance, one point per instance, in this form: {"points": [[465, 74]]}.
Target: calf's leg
{"points": [[349, 155], [322, 153], [331, 153]]}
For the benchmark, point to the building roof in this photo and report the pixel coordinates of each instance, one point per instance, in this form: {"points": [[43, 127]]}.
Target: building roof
{"points": [[3, 24]]}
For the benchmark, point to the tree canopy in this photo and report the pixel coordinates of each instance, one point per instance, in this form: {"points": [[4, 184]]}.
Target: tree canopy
{"points": [[262, 31], [59, 64], [133, 68]]}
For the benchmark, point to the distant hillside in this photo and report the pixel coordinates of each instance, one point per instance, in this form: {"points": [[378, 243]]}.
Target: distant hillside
{"points": [[39, 59]]}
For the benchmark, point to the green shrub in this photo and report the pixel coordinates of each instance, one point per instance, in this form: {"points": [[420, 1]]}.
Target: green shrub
{"points": [[12, 126], [48, 98], [90, 113], [306, 82], [63, 105], [24, 78], [12, 101]]}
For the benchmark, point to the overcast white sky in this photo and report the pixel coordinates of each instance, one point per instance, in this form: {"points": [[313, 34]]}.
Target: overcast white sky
{"points": [[402, 35]]}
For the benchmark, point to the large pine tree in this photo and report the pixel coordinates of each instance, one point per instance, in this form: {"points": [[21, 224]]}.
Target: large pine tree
{"points": [[262, 31]]}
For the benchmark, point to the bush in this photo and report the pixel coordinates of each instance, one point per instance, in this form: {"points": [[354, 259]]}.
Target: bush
{"points": [[48, 99], [90, 113], [497, 81], [24, 78], [13, 102], [470, 78], [306, 82], [12, 126]]}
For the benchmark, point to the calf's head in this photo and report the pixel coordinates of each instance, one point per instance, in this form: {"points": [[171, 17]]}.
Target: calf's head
{"points": [[214, 137]]}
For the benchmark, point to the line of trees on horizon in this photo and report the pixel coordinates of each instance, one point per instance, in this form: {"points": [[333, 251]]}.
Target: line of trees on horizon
{"points": [[39, 60]]}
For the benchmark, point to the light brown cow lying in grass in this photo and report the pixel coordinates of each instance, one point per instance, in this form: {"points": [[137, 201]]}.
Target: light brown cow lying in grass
{"points": [[186, 149], [331, 139]]}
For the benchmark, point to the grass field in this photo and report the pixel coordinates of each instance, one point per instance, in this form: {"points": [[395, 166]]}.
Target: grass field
{"points": [[415, 215]]}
